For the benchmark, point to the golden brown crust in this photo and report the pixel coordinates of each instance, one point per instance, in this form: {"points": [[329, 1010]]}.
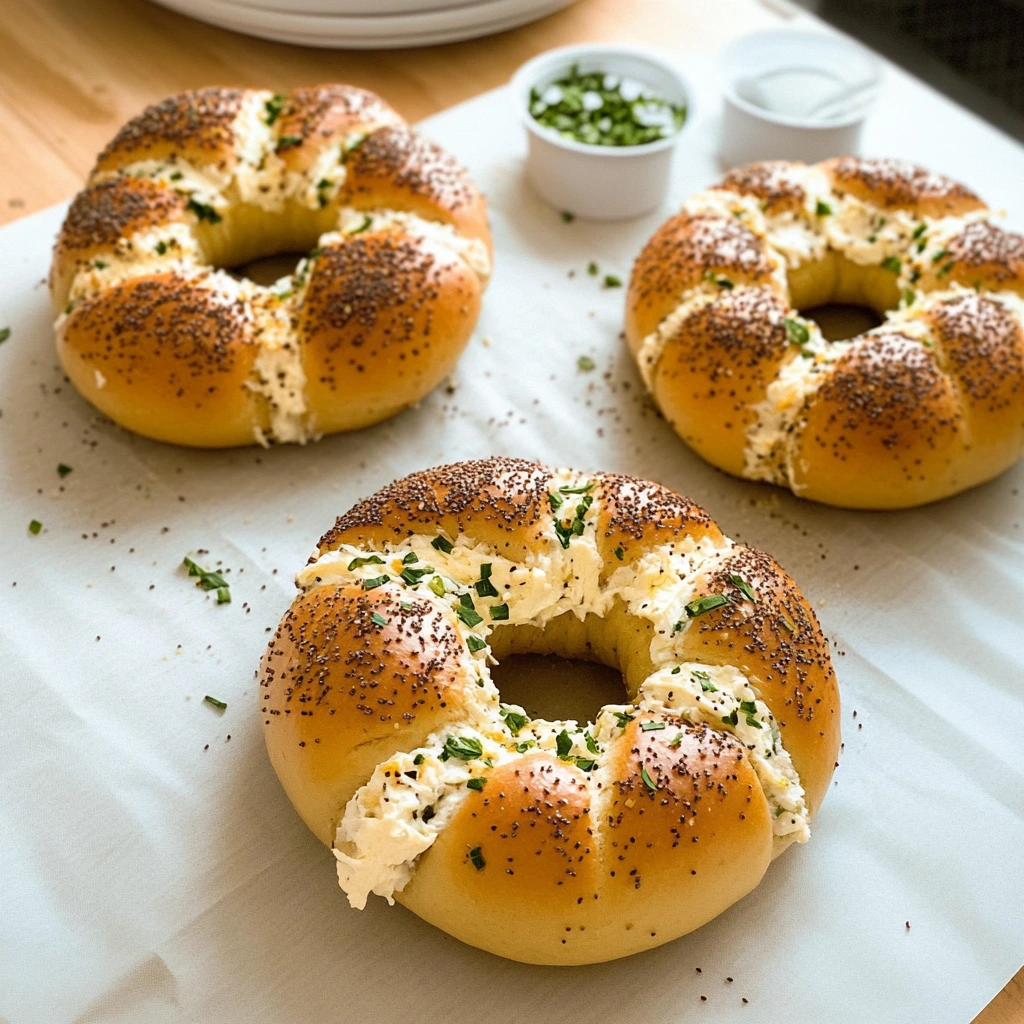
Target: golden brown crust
{"points": [[398, 168], [385, 318], [885, 423], [981, 255], [544, 858], [550, 870], [194, 126], [322, 116], [165, 356], [103, 214], [778, 645], [897, 184], [895, 421], [341, 691], [717, 366], [635, 516], [771, 182], [498, 501], [684, 252]]}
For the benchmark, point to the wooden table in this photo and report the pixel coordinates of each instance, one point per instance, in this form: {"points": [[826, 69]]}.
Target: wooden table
{"points": [[73, 72]]}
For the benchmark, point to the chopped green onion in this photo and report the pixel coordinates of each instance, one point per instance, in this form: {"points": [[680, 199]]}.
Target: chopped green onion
{"points": [[218, 704]]}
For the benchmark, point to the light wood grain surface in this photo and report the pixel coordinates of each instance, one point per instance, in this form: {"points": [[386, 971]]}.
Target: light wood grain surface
{"points": [[104, 60]]}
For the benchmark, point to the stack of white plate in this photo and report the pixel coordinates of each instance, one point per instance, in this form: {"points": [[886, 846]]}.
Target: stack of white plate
{"points": [[366, 24]]}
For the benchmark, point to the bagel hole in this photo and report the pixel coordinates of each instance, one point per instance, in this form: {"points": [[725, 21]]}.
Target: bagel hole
{"points": [[555, 688], [269, 269], [840, 321]]}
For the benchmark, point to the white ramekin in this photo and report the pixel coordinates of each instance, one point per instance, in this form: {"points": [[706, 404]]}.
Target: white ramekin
{"points": [[599, 182], [750, 132]]}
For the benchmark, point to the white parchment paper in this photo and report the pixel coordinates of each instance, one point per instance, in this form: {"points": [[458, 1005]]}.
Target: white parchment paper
{"points": [[152, 868]]}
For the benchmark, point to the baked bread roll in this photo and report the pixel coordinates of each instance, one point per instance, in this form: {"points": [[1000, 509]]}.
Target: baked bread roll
{"points": [[929, 403], [549, 842], [156, 333]]}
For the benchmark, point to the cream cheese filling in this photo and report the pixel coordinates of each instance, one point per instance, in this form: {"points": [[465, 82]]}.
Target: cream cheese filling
{"points": [[772, 434], [722, 697], [396, 816]]}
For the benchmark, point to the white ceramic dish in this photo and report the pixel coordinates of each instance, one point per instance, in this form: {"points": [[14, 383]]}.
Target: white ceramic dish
{"points": [[425, 28], [814, 60], [599, 182]]}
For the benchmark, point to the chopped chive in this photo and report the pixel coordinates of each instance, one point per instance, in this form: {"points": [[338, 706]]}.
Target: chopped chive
{"points": [[476, 783], [204, 211], [437, 586], [379, 619], [892, 263], [377, 581], [287, 141], [705, 681], [744, 587], [499, 611], [796, 331], [477, 858], [567, 217], [218, 704], [592, 269], [34, 527], [648, 781], [273, 108], [585, 363], [211, 580], [731, 719], [467, 612], [440, 544], [418, 759], [822, 209], [563, 744], [611, 281], [5, 333], [474, 643], [652, 726], [63, 469], [464, 748], [358, 562], [513, 719], [700, 605]]}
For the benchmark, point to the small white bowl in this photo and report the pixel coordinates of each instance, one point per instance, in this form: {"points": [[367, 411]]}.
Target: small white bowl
{"points": [[753, 132], [600, 182]]}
